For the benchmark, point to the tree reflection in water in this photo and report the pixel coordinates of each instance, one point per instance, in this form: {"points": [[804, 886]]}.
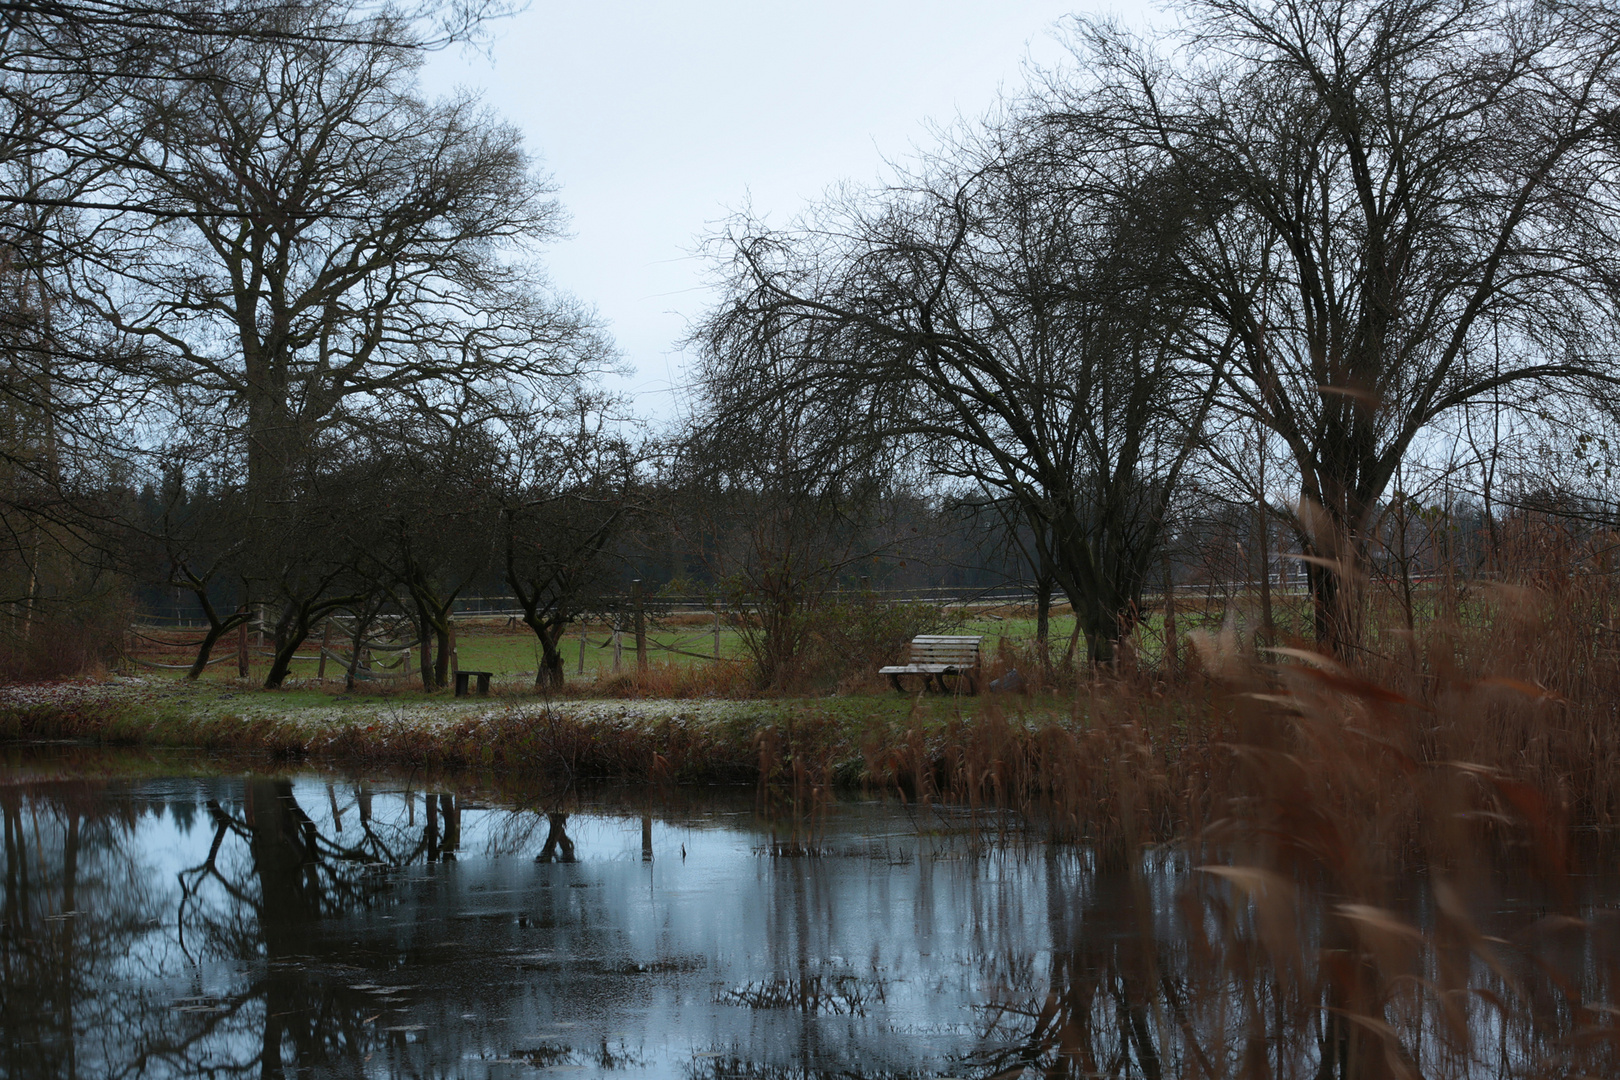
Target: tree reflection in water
{"points": [[62, 850], [558, 845], [1239, 974], [312, 1009], [293, 938], [92, 984]]}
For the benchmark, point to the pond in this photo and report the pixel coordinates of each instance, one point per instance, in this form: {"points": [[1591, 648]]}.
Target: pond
{"points": [[170, 920]]}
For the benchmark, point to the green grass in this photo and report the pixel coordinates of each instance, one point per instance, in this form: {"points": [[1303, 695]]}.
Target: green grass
{"points": [[510, 654], [513, 654]]}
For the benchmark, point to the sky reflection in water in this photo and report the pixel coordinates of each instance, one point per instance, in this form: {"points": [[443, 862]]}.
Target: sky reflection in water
{"points": [[266, 926], [202, 936]]}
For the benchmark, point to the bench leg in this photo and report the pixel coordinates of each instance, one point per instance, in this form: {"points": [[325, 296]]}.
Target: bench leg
{"points": [[895, 679], [483, 686], [461, 684]]}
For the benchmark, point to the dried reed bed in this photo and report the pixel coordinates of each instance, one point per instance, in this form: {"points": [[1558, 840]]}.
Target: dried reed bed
{"points": [[1398, 868], [1512, 708]]}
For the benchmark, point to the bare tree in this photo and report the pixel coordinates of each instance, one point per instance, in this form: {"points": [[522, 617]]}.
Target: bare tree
{"points": [[65, 65], [783, 494], [244, 215], [1404, 207], [311, 237], [431, 484], [203, 537], [1012, 328], [567, 490]]}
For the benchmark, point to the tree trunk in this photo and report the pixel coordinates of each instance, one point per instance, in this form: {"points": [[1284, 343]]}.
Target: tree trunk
{"points": [[425, 636], [362, 625], [242, 647], [282, 663], [293, 630], [1335, 604], [204, 650], [289, 636], [1043, 609], [216, 630], [441, 663], [1262, 549], [549, 673]]}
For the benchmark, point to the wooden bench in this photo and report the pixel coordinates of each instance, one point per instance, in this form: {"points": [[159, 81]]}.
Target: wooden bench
{"points": [[483, 682], [934, 656]]}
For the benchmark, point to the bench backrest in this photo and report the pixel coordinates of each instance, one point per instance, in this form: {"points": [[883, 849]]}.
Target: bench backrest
{"points": [[941, 649]]}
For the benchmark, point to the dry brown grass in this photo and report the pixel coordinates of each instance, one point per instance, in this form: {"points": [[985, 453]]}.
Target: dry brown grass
{"points": [[61, 644], [1357, 828], [725, 679]]}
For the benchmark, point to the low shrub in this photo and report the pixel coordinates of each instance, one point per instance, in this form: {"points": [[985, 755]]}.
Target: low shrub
{"points": [[62, 643]]}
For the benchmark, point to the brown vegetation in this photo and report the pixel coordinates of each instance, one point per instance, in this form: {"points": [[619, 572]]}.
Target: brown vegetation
{"points": [[60, 644], [1353, 830], [1394, 864]]}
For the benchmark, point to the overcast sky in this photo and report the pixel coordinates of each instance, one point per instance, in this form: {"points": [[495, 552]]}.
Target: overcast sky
{"points": [[658, 120]]}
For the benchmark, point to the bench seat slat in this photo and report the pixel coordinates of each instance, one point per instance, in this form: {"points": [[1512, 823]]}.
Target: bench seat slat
{"points": [[934, 656], [944, 649]]}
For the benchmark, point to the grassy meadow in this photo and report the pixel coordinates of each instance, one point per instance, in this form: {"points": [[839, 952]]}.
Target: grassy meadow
{"points": [[688, 654]]}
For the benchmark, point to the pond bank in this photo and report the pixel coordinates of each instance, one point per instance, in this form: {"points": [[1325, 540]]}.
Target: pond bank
{"points": [[633, 740]]}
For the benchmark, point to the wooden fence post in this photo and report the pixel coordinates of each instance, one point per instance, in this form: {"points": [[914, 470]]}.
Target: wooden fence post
{"points": [[641, 627], [1171, 660], [326, 641], [242, 649], [583, 635], [717, 629]]}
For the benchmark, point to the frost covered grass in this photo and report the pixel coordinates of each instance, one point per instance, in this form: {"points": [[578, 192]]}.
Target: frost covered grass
{"points": [[620, 739]]}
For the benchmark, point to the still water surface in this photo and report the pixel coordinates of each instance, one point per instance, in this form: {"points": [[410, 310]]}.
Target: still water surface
{"points": [[252, 924]]}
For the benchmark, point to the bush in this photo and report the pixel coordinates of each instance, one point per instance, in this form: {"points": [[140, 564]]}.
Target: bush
{"points": [[852, 638], [63, 642]]}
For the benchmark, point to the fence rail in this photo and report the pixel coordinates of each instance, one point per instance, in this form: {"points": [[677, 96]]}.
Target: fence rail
{"points": [[507, 607]]}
